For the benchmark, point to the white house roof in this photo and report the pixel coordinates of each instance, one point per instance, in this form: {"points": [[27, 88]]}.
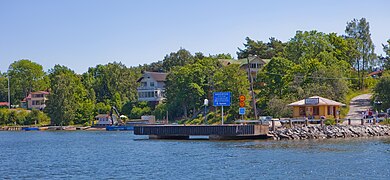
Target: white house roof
{"points": [[321, 101]]}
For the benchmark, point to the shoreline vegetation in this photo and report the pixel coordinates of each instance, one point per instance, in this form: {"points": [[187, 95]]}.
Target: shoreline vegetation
{"points": [[311, 63]]}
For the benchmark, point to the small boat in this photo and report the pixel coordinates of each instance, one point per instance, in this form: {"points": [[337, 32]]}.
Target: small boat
{"points": [[30, 128]]}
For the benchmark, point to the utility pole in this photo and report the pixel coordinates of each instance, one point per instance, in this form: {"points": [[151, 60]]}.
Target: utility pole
{"points": [[9, 92], [251, 88]]}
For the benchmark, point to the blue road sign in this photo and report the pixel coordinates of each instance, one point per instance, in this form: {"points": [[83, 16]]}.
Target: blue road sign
{"points": [[241, 111], [221, 98]]}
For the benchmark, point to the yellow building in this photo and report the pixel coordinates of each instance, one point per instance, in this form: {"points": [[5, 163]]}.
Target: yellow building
{"points": [[316, 107]]}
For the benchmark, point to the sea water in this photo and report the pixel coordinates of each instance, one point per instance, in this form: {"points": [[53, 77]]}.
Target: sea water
{"points": [[122, 155]]}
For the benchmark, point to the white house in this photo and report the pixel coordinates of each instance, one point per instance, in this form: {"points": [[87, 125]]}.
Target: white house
{"points": [[152, 86], [104, 120]]}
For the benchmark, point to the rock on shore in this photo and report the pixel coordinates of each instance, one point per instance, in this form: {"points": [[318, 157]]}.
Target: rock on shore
{"points": [[335, 131]]}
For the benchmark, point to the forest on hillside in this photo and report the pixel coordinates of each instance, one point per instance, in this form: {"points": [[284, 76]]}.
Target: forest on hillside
{"points": [[310, 63]]}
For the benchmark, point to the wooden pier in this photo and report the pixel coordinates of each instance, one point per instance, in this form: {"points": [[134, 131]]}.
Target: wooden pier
{"points": [[216, 132]]}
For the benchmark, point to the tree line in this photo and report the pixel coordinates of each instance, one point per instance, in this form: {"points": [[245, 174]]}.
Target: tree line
{"points": [[310, 63]]}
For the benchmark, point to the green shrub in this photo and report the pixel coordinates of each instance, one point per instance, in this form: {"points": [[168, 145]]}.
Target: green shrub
{"points": [[23, 117], [330, 121], [386, 121]]}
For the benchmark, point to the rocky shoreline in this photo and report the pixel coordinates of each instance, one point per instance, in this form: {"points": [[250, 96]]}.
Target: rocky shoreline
{"points": [[333, 131]]}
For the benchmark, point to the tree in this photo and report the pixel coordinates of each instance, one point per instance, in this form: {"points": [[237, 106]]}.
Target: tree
{"points": [[139, 109], [261, 49], [3, 88], [386, 60], [278, 108], [235, 80], [221, 56], [113, 84], [68, 102], [382, 92], [179, 58], [185, 87], [386, 48], [307, 45], [25, 77], [276, 75], [188, 85], [360, 30]]}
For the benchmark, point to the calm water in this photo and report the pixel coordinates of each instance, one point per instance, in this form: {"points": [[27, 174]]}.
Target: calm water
{"points": [[121, 155]]}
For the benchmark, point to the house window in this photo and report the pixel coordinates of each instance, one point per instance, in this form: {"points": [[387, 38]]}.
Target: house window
{"points": [[37, 102], [151, 84], [330, 110], [37, 95], [316, 110], [253, 65], [143, 84], [302, 111]]}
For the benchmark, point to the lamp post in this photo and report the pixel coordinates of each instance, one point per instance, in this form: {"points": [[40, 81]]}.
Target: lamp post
{"points": [[205, 103]]}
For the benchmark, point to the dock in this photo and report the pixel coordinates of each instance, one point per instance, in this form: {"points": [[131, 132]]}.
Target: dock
{"points": [[214, 132]]}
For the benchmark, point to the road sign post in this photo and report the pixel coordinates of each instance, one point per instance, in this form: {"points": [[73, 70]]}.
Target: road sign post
{"points": [[241, 111], [221, 99]]}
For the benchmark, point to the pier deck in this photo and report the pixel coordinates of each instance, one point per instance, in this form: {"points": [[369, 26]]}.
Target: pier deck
{"points": [[231, 131]]}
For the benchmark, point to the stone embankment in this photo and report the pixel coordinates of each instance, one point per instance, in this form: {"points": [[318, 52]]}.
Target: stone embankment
{"points": [[334, 131]]}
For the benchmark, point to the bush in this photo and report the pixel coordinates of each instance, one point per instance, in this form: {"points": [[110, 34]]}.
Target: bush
{"points": [[330, 121], [385, 121], [22, 117]]}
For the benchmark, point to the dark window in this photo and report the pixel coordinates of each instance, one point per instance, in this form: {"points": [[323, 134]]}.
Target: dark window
{"points": [[302, 111], [316, 110]]}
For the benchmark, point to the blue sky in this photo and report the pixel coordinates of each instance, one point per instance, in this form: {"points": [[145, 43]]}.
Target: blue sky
{"points": [[83, 33]]}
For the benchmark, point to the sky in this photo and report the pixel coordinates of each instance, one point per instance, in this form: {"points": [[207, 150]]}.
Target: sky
{"points": [[84, 33]]}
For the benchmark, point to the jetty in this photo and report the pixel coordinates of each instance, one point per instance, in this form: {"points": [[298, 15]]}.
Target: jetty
{"points": [[214, 132]]}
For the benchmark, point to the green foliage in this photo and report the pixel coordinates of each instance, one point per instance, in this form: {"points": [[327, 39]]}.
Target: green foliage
{"points": [[370, 83], [313, 64], [3, 88], [160, 111], [385, 121], [232, 79], [386, 47], [331, 121], [68, 101], [221, 56], [102, 108], [360, 30], [187, 86], [278, 108], [276, 75], [180, 58], [25, 77], [382, 92], [261, 49], [140, 109], [113, 83], [22, 117]]}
